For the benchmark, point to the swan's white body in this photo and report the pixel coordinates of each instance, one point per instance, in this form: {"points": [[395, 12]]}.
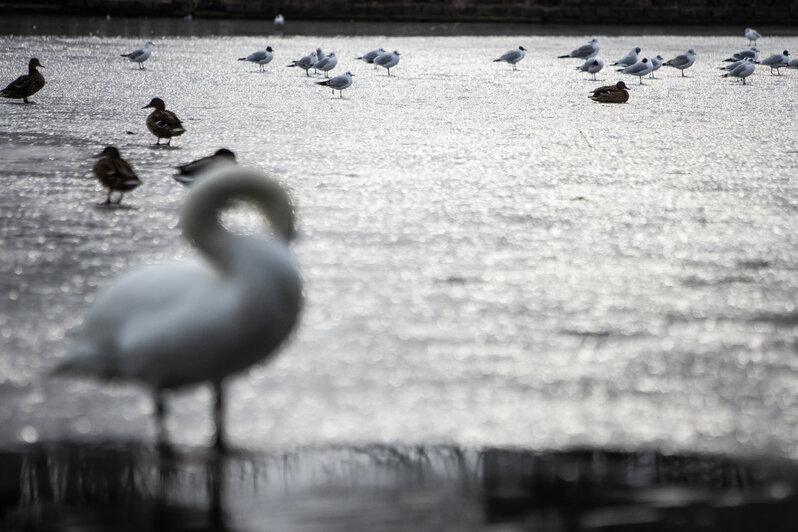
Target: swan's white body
{"points": [[178, 324]]}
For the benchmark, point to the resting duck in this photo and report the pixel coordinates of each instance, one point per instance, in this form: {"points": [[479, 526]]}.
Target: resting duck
{"points": [[162, 123], [187, 173], [620, 86], [611, 93], [115, 173], [27, 84]]}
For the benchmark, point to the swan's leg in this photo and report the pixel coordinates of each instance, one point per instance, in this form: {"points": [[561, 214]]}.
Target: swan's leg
{"points": [[218, 416], [160, 414]]}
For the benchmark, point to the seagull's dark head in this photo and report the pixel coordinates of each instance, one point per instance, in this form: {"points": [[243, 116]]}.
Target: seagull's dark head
{"points": [[645, 60], [269, 49], [637, 49], [786, 52], [522, 48], [595, 63]]}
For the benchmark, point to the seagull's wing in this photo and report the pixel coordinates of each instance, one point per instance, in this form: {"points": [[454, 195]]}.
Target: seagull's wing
{"points": [[678, 61]]}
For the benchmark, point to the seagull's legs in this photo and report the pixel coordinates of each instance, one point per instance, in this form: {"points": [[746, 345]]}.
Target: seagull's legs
{"points": [[514, 67], [218, 416], [682, 72]]}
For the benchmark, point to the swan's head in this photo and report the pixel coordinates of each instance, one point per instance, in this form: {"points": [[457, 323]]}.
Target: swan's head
{"points": [[156, 103]]}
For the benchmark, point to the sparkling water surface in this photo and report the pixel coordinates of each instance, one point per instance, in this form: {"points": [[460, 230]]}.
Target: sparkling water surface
{"points": [[490, 258]]}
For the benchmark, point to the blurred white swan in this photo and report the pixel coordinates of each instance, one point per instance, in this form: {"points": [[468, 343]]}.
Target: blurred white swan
{"points": [[178, 324]]}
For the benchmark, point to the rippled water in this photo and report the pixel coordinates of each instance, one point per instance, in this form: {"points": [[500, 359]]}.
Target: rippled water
{"points": [[490, 258]]}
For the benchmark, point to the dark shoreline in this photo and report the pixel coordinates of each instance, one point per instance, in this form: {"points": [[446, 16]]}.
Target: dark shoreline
{"points": [[28, 24], [704, 12], [130, 486]]}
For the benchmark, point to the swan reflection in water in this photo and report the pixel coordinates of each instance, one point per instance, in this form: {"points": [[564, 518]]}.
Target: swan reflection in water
{"points": [[201, 320]]}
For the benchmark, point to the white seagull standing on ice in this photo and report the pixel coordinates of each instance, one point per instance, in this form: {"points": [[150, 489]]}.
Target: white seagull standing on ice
{"points": [[369, 57], [338, 83], [306, 63], [629, 59], [586, 51], [140, 55], [639, 69], [388, 60], [777, 61], [513, 56], [279, 20], [328, 63], [752, 35], [203, 320], [683, 61], [592, 66], [261, 57], [743, 70], [656, 64], [752, 52]]}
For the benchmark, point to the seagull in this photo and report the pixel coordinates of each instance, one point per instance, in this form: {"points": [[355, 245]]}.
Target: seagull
{"points": [[162, 123], [262, 57], [174, 325], [732, 66], [752, 52], [338, 83], [369, 57], [306, 63], [187, 173], [320, 55], [140, 55], [629, 59], [656, 64], [777, 61], [326, 64], [592, 66], [388, 60], [682, 61], [279, 20], [743, 70], [27, 84], [513, 56], [639, 69], [114, 173], [752, 35], [586, 51]]}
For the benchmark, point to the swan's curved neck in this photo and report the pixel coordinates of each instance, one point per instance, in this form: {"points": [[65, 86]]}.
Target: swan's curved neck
{"points": [[212, 194]]}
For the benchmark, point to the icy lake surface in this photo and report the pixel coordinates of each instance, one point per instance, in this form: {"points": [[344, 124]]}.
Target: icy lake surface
{"points": [[490, 258]]}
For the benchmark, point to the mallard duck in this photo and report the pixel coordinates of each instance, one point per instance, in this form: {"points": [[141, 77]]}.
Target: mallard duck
{"points": [[613, 95], [162, 123], [115, 173], [620, 86], [187, 173], [27, 84]]}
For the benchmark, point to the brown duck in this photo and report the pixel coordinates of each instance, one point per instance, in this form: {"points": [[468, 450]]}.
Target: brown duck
{"points": [[115, 173], [27, 84], [611, 93], [162, 123]]}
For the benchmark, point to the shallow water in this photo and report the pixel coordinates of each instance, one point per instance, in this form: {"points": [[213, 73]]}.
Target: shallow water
{"points": [[490, 258]]}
